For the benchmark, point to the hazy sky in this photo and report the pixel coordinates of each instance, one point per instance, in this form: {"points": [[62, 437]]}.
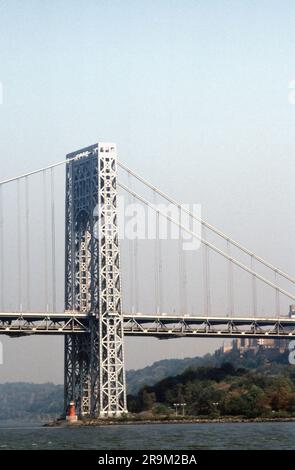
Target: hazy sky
{"points": [[194, 93]]}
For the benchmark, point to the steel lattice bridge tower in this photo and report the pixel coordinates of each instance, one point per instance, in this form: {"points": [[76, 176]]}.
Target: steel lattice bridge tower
{"points": [[94, 362]]}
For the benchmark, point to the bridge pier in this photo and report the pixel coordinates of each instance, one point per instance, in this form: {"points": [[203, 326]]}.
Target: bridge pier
{"points": [[94, 362]]}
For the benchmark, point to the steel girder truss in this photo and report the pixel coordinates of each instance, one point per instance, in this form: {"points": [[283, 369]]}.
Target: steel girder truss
{"points": [[165, 327], [94, 377], [22, 324], [77, 324]]}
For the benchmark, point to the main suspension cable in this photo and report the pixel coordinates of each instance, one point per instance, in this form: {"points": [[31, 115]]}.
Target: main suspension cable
{"points": [[209, 226], [210, 245]]}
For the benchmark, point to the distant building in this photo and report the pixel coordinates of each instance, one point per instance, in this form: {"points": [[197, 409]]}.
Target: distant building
{"points": [[227, 347], [243, 345], [266, 343]]}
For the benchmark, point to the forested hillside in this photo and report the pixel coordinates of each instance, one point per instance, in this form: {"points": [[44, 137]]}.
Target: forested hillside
{"points": [[27, 401], [222, 391], [198, 381]]}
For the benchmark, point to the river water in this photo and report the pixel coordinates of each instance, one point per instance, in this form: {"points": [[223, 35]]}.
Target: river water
{"points": [[153, 436]]}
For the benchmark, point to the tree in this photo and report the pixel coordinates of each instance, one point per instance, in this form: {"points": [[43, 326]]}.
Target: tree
{"points": [[147, 399]]}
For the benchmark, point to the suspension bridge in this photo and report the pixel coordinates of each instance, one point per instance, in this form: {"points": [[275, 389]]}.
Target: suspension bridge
{"points": [[66, 270]]}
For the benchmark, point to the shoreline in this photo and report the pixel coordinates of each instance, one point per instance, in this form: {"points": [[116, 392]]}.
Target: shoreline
{"points": [[106, 422]]}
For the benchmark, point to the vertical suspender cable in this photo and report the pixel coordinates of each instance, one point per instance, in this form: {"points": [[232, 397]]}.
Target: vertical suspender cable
{"points": [[45, 241], [230, 282], [277, 301], [208, 280], [136, 277], [180, 280], [277, 298], [156, 261], [53, 248], [206, 276], [254, 288], [19, 245], [131, 256], [134, 256], [182, 270], [205, 280], [28, 254], [2, 248], [160, 267], [184, 274]]}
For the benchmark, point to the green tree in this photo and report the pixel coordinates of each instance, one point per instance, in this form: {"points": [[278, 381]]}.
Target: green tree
{"points": [[147, 399]]}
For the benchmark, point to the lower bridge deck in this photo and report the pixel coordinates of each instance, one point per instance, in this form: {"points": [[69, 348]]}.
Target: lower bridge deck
{"points": [[162, 326]]}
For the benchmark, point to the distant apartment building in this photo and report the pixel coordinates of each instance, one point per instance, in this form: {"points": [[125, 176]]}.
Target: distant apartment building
{"points": [[243, 344], [254, 344]]}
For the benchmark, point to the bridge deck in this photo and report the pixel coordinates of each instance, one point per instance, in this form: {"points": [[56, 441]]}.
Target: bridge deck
{"points": [[163, 326]]}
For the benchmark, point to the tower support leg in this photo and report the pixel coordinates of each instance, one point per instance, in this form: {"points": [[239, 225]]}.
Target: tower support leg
{"points": [[94, 361]]}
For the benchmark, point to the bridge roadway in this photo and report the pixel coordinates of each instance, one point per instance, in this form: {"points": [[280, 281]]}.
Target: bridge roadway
{"points": [[162, 326]]}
